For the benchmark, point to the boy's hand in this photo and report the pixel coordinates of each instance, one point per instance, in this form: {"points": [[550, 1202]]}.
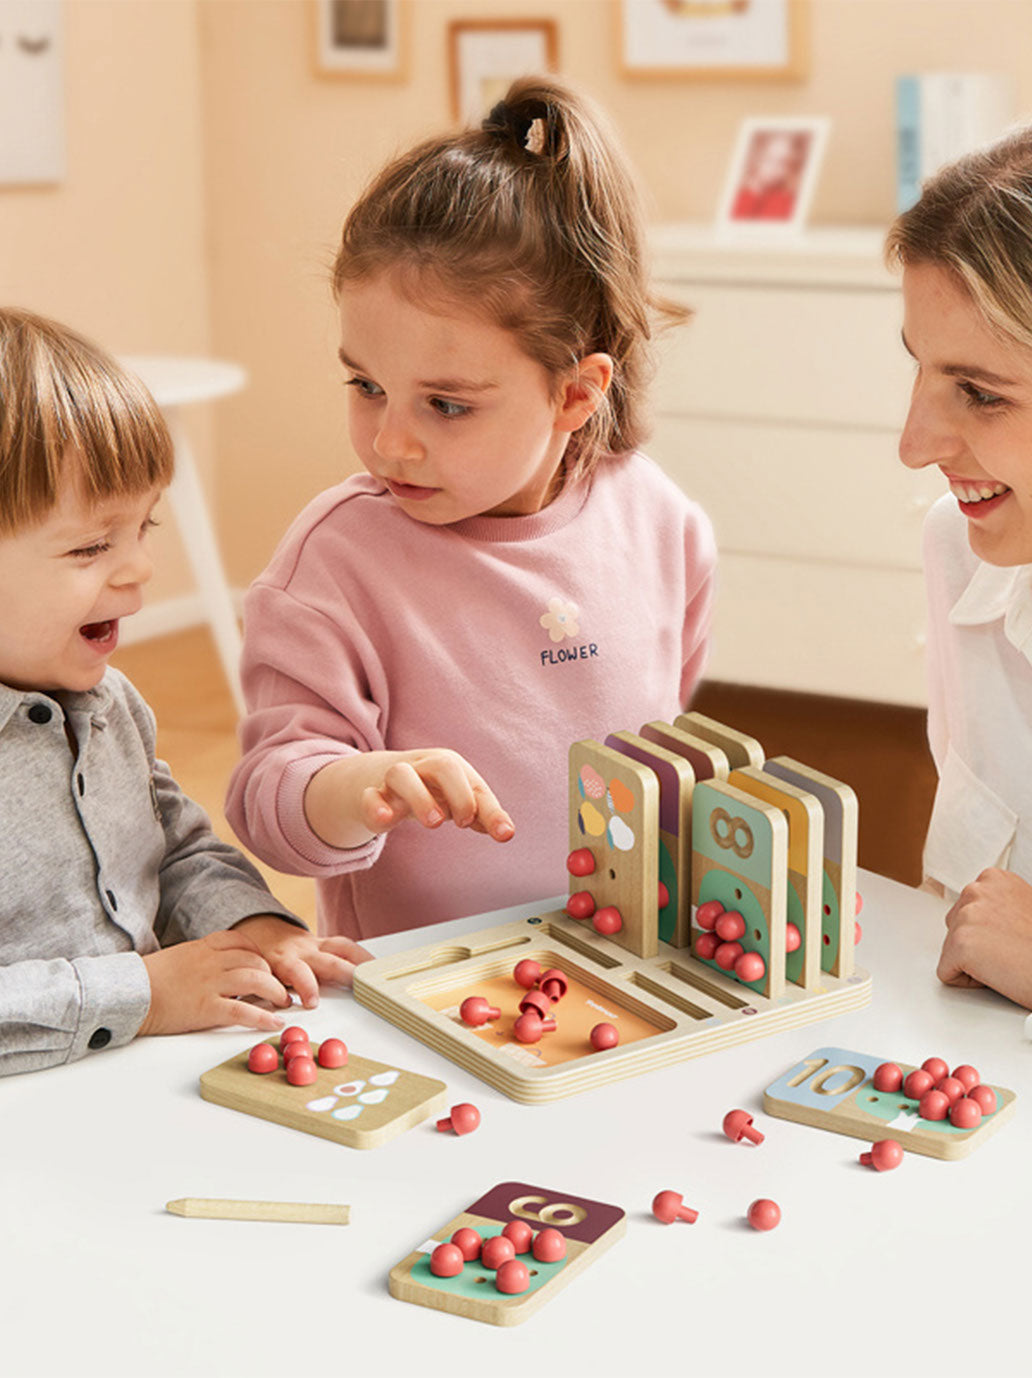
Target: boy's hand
{"points": [[989, 937], [299, 959], [371, 792], [205, 984]]}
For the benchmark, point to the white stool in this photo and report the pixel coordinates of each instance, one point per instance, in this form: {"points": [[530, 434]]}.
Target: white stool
{"points": [[174, 383]]}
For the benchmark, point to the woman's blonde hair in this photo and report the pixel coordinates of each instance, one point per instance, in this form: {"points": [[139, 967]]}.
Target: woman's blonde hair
{"points": [[64, 401], [974, 218], [534, 221]]}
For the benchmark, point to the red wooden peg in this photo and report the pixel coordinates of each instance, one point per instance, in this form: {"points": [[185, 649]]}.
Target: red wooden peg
{"points": [[262, 1058], [530, 1027], [669, 1206], [793, 938], [549, 1246], [526, 973], [513, 1277], [446, 1261], [581, 862], [738, 1125], [707, 914], [730, 926], [662, 896], [497, 1250], [537, 1003], [764, 1214], [333, 1052], [476, 1010], [888, 1077], [883, 1156], [750, 967], [468, 1240], [554, 984], [521, 1235], [608, 921], [581, 905], [604, 1036], [463, 1119]]}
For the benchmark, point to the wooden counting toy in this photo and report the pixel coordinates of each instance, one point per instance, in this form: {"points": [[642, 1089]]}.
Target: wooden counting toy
{"points": [[362, 1104], [836, 1089], [508, 1253]]}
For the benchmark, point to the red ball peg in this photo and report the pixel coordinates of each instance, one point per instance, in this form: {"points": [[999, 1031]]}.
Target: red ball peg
{"points": [[333, 1052], [967, 1076], [446, 1261], [706, 945], [291, 1035], [917, 1082], [604, 1036], [513, 1277], [727, 954], [858, 932], [581, 905], [750, 967], [526, 973], [985, 1097], [888, 1077], [262, 1058], [521, 1235], [965, 1113], [857, 910], [468, 1241], [296, 1047], [952, 1088], [883, 1156], [553, 984], [463, 1119], [530, 1027], [764, 1214], [669, 1206], [936, 1067], [707, 914], [549, 1246], [476, 1010], [581, 862], [793, 938], [496, 1251], [730, 926], [301, 1071], [537, 1003], [608, 921], [738, 1125], [662, 896], [933, 1105]]}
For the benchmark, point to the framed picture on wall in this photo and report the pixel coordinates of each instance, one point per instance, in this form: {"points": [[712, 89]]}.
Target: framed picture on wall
{"points": [[485, 55], [360, 38], [736, 39], [773, 174]]}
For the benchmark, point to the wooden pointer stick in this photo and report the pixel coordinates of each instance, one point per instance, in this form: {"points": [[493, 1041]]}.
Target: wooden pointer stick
{"points": [[297, 1212]]}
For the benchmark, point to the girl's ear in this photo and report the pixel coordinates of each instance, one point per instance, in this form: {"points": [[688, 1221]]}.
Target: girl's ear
{"points": [[583, 391]]}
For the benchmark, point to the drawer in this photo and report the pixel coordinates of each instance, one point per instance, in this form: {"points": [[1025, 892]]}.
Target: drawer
{"points": [[814, 493], [787, 354], [820, 629]]}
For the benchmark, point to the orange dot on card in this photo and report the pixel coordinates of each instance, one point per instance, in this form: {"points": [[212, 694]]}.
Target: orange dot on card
{"points": [[623, 799]]}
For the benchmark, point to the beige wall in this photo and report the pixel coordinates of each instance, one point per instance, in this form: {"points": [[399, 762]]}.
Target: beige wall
{"points": [[210, 168]]}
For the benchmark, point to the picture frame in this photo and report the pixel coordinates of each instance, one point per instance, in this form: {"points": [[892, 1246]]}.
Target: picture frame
{"points": [[485, 55], [729, 40], [773, 174], [361, 38]]}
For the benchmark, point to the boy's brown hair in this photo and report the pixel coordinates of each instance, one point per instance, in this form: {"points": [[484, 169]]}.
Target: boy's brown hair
{"points": [[64, 400], [534, 221]]}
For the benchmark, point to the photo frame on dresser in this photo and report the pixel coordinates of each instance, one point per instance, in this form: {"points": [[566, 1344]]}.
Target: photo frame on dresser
{"points": [[773, 174]]}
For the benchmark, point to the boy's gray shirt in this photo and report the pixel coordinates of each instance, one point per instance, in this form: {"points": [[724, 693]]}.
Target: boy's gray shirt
{"points": [[102, 860]]}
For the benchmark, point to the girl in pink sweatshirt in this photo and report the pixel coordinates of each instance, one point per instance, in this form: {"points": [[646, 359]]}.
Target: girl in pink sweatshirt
{"points": [[511, 574]]}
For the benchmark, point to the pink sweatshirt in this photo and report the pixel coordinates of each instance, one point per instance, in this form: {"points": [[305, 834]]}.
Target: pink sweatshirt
{"points": [[503, 638]]}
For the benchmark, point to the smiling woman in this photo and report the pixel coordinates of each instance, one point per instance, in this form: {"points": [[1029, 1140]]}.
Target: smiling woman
{"points": [[966, 253]]}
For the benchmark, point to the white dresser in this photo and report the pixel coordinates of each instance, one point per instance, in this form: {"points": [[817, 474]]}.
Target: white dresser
{"points": [[779, 408]]}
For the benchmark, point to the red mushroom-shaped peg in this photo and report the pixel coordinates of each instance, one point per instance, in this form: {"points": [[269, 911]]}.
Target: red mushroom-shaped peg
{"points": [[764, 1214], [888, 1077], [985, 1097], [933, 1105], [883, 1156], [295, 1048], [475, 1010], [468, 1240], [581, 862], [738, 1125], [937, 1067], [967, 1076], [965, 1113], [333, 1052], [859, 904], [521, 1235], [707, 914], [526, 973], [553, 984], [262, 1058], [549, 1246], [513, 1277], [951, 1088], [496, 1251], [463, 1119], [669, 1206], [608, 921], [446, 1261], [917, 1082], [530, 1027], [706, 945], [727, 954], [793, 938], [301, 1071], [581, 905], [604, 1036], [537, 1003], [290, 1035], [730, 926], [662, 896], [750, 967]]}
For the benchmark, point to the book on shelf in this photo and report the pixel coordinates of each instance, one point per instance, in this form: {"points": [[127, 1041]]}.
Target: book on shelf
{"points": [[942, 115]]}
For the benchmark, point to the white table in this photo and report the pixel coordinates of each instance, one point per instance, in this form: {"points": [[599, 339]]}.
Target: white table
{"points": [[919, 1271], [176, 383]]}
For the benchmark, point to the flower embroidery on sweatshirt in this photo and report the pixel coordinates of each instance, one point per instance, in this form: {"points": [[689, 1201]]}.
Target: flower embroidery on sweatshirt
{"points": [[561, 619]]}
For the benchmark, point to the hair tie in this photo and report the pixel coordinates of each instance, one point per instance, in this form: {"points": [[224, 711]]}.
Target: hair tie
{"points": [[504, 122]]}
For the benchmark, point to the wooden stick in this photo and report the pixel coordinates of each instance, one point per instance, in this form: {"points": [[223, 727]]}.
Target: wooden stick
{"points": [[297, 1212]]}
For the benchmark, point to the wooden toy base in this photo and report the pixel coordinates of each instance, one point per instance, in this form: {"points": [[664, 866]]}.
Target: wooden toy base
{"points": [[589, 1228], [832, 1089], [666, 1008], [363, 1104]]}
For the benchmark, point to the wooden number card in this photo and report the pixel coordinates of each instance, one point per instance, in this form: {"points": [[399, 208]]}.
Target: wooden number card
{"points": [[586, 1229]]}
